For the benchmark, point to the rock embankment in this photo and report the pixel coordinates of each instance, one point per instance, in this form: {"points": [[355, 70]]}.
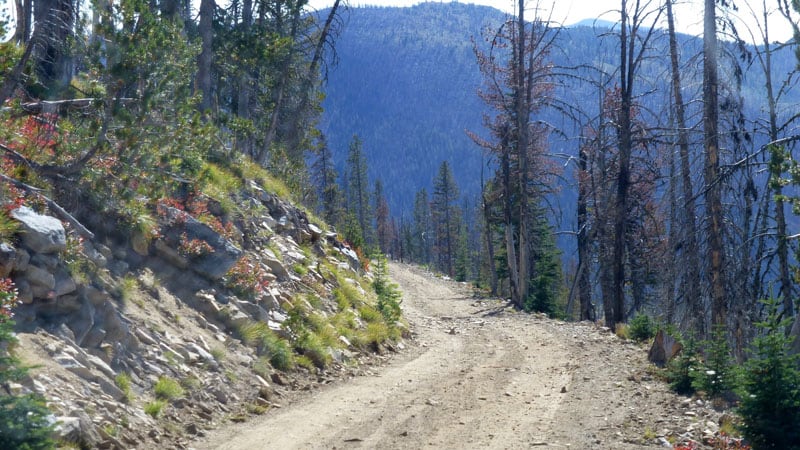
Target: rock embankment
{"points": [[104, 321]]}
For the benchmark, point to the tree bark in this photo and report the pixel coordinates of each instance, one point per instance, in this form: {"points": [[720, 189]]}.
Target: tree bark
{"points": [[777, 169], [206, 56], [713, 194], [522, 97], [624, 141], [690, 249], [584, 257]]}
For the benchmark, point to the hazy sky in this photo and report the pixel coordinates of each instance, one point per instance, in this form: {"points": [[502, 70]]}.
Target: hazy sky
{"points": [[689, 13]]}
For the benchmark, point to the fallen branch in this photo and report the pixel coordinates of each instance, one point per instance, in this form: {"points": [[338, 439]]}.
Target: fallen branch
{"points": [[62, 106], [55, 207]]}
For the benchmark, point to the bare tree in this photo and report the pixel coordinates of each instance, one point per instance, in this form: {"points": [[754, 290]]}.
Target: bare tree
{"points": [[713, 188], [691, 263]]}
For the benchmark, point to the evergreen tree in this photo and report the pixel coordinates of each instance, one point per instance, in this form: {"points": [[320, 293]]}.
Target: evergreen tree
{"points": [[383, 224], [23, 418], [422, 232], [406, 241], [328, 191], [546, 264], [463, 252], [445, 218], [358, 198], [770, 387]]}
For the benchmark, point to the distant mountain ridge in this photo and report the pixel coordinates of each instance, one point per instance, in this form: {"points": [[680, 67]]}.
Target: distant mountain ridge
{"points": [[407, 83]]}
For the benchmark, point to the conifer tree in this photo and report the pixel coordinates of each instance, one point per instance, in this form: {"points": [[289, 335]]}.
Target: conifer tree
{"points": [[358, 198], [422, 232], [383, 224], [445, 218], [328, 193]]}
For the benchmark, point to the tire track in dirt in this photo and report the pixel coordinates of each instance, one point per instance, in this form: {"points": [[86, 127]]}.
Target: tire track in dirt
{"points": [[478, 375]]}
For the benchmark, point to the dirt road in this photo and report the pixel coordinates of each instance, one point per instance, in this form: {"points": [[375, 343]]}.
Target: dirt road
{"points": [[480, 376]]}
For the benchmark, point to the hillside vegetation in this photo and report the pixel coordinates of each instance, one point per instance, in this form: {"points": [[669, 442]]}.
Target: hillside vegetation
{"points": [[198, 206]]}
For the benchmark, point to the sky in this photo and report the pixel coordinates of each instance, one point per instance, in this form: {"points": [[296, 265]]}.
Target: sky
{"points": [[689, 13]]}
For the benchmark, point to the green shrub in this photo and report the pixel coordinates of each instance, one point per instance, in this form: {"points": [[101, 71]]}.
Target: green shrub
{"points": [[681, 368], [714, 375], [24, 420], [168, 389], [770, 387], [642, 328]]}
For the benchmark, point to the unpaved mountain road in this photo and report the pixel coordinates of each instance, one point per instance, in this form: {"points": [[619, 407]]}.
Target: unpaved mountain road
{"points": [[479, 375]]}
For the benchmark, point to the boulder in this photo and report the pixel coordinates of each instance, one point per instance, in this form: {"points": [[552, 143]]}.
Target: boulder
{"points": [[77, 428], [213, 265], [37, 276], [22, 260], [8, 257], [42, 234], [64, 284], [664, 348], [276, 267]]}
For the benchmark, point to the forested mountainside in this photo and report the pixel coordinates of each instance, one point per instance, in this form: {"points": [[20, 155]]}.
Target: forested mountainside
{"points": [[407, 79], [178, 250]]}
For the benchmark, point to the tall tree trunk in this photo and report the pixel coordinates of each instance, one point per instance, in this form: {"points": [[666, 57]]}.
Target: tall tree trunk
{"points": [[523, 90], [713, 189], [624, 140], [487, 221], [776, 166], [206, 54], [22, 9], [283, 82], [53, 64], [676, 275], [511, 257], [311, 75], [691, 264], [245, 143], [584, 256]]}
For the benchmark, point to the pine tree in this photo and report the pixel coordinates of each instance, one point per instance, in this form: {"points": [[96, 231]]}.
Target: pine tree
{"points": [[23, 418], [328, 191], [445, 218], [358, 198], [422, 232], [770, 387], [383, 224], [546, 274]]}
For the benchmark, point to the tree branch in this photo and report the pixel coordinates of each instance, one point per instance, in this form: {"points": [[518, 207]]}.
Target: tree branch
{"points": [[61, 212]]}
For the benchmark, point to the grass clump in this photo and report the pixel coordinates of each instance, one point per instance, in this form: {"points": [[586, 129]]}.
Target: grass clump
{"points": [[154, 408], [127, 287], [267, 344], [369, 314], [168, 389], [622, 331], [123, 382], [313, 347], [300, 269]]}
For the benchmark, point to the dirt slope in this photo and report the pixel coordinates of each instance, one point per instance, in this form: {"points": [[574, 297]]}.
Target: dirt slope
{"points": [[482, 376]]}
